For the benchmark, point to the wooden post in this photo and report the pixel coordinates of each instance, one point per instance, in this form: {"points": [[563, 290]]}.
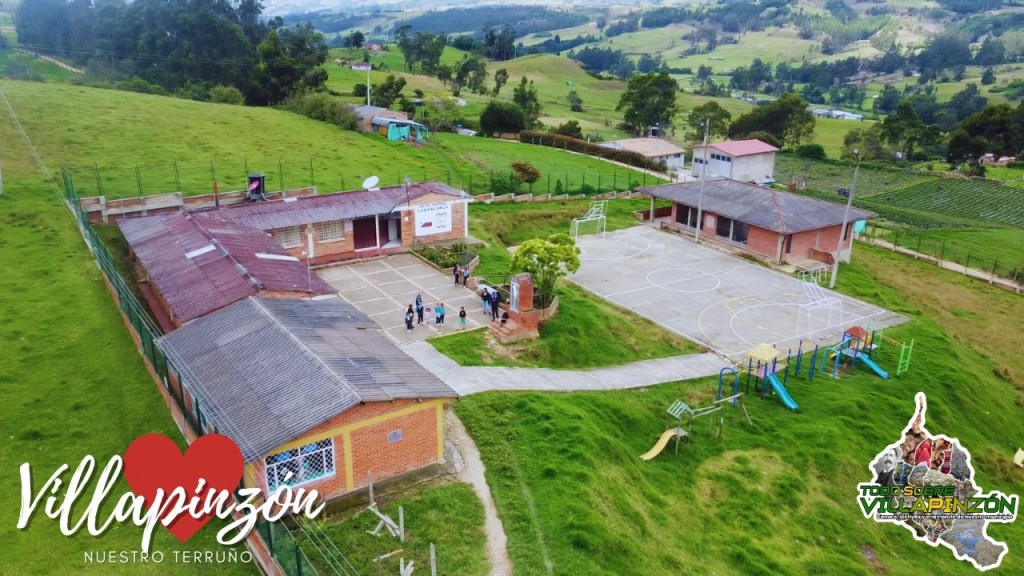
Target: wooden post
{"points": [[401, 524], [433, 560]]}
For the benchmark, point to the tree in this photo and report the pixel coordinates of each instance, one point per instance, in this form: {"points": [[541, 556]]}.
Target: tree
{"points": [[903, 128], [502, 117], [575, 102], [355, 40], [649, 99], [571, 129], [525, 172], [385, 94], [787, 119], [547, 260], [711, 112], [500, 78], [525, 96], [988, 77], [887, 101], [444, 74], [966, 149]]}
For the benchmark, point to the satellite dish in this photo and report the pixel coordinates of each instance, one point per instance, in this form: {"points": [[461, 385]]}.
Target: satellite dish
{"points": [[370, 182]]}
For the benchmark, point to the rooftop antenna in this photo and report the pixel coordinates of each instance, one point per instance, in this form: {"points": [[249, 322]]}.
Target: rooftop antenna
{"points": [[370, 184]]}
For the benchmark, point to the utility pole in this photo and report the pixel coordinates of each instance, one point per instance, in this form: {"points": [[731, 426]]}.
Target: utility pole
{"points": [[368, 85], [703, 177], [846, 217]]}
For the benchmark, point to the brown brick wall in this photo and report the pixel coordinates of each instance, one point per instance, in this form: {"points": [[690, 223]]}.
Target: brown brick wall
{"points": [[367, 427], [409, 237]]}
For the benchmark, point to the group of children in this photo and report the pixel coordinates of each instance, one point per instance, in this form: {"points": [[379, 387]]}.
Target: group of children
{"points": [[418, 311]]}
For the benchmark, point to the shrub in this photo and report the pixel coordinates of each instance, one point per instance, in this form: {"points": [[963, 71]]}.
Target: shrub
{"points": [[502, 117], [226, 95], [589, 148], [323, 107], [766, 138], [813, 151]]}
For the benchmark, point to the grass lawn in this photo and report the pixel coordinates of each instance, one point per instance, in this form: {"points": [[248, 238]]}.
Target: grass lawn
{"points": [[587, 333], [571, 170], [450, 516], [71, 384], [779, 498], [985, 248]]}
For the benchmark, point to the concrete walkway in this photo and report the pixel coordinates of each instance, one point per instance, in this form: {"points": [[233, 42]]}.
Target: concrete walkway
{"points": [[473, 379]]}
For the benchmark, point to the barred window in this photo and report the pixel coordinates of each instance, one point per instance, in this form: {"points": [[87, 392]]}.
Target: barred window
{"points": [[290, 237], [328, 231], [305, 463]]}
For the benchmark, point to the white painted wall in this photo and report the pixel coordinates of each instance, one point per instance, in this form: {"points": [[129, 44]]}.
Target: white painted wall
{"points": [[753, 167]]}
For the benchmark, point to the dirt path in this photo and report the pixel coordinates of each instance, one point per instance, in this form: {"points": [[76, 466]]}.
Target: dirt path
{"points": [[471, 471], [53, 60]]}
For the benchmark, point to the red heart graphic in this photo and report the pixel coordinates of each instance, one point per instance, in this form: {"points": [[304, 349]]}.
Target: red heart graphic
{"points": [[154, 461]]}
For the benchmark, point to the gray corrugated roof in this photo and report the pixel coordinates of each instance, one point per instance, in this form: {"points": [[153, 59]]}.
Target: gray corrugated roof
{"points": [[758, 206], [265, 371], [227, 269], [275, 214]]}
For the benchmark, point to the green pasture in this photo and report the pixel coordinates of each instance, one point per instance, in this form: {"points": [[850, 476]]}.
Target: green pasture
{"points": [[996, 250], [71, 383], [775, 498], [773, 46], [828, 176]]}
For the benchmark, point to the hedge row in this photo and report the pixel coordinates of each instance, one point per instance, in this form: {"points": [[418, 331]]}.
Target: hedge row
{"points": [[583, 147]]}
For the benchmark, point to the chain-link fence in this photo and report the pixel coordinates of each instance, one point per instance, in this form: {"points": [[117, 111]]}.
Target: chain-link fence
{"points": [[153, 178], [936, 246], [145, 332]]}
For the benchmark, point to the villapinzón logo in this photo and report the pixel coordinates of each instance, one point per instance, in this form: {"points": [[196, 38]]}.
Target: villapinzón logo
{"points": [[926, 484], [181, 492]]}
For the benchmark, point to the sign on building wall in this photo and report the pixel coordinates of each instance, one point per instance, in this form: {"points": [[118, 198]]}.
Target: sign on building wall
{"points": [[433, 218]]}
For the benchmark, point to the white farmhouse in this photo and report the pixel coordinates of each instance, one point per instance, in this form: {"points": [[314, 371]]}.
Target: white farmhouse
{"points": [[654, 149], [742, 160]]}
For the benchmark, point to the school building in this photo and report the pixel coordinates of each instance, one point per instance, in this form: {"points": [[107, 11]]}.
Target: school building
{"points": [[778, 226], [310, 391], [188, 266], [359, 224]]}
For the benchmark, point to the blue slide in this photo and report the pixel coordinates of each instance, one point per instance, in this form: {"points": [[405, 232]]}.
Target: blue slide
{"points": [[871, 364], [781, 391]]}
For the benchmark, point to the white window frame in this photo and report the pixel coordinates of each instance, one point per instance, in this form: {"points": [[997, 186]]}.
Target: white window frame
{"points": [[275, 471], [330, 231], [284, 236]]}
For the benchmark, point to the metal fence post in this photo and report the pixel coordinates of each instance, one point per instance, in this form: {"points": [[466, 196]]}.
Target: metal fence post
{"points": [[280, 175], [942, 251], [138, 178], [213, 176], [177, 178], [99, 183], [298, 561], [968, 264], [312, 180]]}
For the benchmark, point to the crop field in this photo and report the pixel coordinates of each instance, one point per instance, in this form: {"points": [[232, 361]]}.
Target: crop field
{"points": [[967, 199], [827, 176], [773, 45]]}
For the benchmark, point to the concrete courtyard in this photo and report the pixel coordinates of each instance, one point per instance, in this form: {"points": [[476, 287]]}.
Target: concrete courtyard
{"points": [[383, 289], [723, 302]]}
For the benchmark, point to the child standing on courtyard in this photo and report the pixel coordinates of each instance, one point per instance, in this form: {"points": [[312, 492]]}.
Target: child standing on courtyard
{"points": [[462, 316]]}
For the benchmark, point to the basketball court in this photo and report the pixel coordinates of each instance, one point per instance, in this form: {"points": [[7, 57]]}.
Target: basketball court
{"points": [[723, 302]]}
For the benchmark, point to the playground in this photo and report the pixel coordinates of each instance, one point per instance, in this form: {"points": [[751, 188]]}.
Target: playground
{"points": [[721, 301]]}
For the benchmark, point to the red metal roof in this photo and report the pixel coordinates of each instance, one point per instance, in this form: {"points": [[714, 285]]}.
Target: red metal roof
{"points": [[200, 265], [275, 214], [737, 148]]}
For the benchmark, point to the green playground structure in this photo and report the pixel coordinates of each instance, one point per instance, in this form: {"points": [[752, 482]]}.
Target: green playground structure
{"points": [[858, 345]]}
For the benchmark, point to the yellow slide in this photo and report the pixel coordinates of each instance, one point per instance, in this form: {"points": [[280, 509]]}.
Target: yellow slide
{"points": [[662, 442]]}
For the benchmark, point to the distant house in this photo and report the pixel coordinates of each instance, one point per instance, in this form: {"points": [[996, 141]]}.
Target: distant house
{"points": [[373, 47], [775, 225], [361, 223], [399, 130], [310, 391], [360, 66], [192, 266], [366, 114], [743, 160], [991, 160], [837, 114], [654, 149]]}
